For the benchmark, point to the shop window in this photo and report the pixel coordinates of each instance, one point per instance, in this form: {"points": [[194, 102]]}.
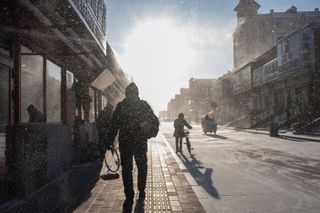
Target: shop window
{"points": [[307, 67], [71, 105], [77, 90], [92, 108], [306, 37], [25, 50], [103, 102], [4, 122], [32, 88], [4, 96], [278, 99], [307, 57], [306, 46], [99, 102], [267, 102], [298, 91], [262, 38], [5, 48], [286, 46], [53, 95], [281, 22], [255, 103], [70, 79]]}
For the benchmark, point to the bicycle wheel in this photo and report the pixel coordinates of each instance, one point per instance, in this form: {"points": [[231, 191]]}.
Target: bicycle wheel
{"points": [[188, 145], [112, 160]]}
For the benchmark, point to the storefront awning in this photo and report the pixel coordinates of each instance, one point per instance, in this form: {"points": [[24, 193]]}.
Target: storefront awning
{"points": [[104, 80]]}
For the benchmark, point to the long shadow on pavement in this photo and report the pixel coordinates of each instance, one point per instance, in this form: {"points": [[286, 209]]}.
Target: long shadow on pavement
{"points": [[202, 179], [217, 136], [284, 137], [76, 200]]}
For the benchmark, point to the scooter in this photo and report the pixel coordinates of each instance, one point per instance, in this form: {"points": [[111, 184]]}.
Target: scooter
{"points": [[209, 125]]}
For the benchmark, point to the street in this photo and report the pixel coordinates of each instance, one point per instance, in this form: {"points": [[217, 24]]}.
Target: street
{"points": [[252, 172]]}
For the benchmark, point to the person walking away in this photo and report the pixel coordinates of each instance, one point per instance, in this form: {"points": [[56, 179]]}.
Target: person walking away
{"points": [[179, 124], [136, 123]]}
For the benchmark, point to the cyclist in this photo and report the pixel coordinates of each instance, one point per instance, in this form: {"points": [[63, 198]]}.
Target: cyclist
{"points": [[179, 133]]}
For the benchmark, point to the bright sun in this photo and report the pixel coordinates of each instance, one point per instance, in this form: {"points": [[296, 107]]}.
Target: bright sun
{"points": [[157, 54]]}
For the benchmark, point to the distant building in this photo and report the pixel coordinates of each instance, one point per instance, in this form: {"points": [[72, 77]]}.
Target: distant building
{"points": [[195, 101], [163, 115], [256, 33], [185, 102], [180, 103], [201, 95], [224, 99]]}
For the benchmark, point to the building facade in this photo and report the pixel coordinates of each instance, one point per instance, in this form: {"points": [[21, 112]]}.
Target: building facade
{"points": [[256, 33], [57, 73], [195, 101], [179, 104], [285, 86], [201, 97], [281, 84]]}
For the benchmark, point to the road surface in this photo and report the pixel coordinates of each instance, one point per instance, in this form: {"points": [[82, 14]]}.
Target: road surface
{"points": [[248, 172]]}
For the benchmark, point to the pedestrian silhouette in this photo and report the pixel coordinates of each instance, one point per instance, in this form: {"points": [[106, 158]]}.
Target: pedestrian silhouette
{"points": [[136, 123], [35, 116], [103, 124], [179, 124]]}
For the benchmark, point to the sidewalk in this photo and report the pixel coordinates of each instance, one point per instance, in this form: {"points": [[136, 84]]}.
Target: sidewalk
{"points": [[168, 189]]}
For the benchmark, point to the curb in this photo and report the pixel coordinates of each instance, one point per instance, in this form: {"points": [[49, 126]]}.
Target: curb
{"points": [[285, 136], [300, 138], [258, 131]]}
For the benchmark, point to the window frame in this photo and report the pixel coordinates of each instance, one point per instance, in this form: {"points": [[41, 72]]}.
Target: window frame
{"points": [[61, 90], [63, 86], [43, 84]]}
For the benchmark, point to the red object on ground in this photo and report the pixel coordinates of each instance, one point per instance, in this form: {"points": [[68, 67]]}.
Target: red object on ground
{"points": [[110, 176]]}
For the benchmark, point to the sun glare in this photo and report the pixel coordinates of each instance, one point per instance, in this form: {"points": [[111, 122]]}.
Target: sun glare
{"points": [[156, 53]]}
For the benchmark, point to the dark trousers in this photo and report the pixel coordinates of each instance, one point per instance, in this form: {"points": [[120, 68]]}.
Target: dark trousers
{"points": [[139, 152], [178, 142]]}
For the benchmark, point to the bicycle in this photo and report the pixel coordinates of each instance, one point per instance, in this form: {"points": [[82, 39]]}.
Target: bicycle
{"points": [[186, 134], [112, 159]]}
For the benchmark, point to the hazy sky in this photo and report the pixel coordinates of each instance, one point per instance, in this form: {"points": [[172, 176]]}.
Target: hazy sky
{"points": [[163, 43]]}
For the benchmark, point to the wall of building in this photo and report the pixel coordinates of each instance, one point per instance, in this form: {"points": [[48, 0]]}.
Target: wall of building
{"points": [[258, 32], [281, 84], [53, 72]]}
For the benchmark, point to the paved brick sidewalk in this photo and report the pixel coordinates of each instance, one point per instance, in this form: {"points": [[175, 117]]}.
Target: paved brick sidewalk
{"points": [[167, 187]]}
